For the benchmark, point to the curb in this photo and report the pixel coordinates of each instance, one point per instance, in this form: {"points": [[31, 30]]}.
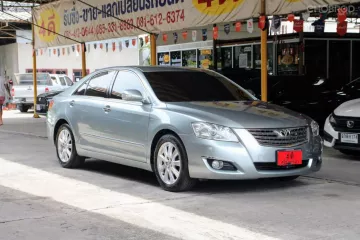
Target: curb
{"points": [[24, 134]]}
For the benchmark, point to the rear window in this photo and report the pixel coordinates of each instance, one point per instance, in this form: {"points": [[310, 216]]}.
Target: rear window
{"points": [[42, 79], [194, 86]]}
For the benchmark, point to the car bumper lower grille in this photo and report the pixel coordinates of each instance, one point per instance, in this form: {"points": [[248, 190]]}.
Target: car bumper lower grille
{"points": [[273, 166], [286, 137]]}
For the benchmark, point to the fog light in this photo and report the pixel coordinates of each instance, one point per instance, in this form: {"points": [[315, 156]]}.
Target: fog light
{"points": [[217, 164]]}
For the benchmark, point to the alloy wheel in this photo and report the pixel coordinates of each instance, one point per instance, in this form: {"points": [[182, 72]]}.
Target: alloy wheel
{"points": [[65, 146], [169, 163]]}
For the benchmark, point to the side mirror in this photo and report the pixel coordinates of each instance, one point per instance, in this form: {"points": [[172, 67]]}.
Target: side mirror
{"points": [[132, 95]]}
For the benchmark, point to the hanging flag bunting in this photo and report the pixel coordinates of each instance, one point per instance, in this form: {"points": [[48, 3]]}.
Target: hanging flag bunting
{"points": [[73, 48], [101, 46], [95, 45], [184, 35], [176, 37], [215, 32], [141, 42], [54, 51], [49, 52], [107, 47], [134, 42], [58, 52], [250, 25], [342, 28], [120, 46], [342, 14], [305, 16], [238, 26], [78, 47], [63, 51], [262, 23], [204, 34], [41, 52], [68, 50], [291, 17], [114, 46], [298, 25], [276, 24], [227, 29], [194, 35], [146, 39], [165, 37], [319, 26], [127, 43]]}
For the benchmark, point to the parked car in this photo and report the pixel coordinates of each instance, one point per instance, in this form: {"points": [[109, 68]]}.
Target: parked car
{"points": [[342, 128], [183, 124], [23, 92], [43, 100]]}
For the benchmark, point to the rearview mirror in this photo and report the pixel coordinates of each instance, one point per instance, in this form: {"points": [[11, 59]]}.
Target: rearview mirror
{"points": [[132, 95]]}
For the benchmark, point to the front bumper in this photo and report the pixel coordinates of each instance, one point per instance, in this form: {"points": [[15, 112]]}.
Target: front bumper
{"points": [[252, 161]]}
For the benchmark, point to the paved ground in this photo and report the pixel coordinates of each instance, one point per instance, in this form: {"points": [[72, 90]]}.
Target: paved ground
{"points": [[40, 200]]}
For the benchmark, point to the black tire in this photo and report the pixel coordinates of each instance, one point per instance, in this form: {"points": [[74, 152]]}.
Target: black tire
{"points": [[75, 161], [183, 182], [350, 152], [288, 179], [23, 108]]}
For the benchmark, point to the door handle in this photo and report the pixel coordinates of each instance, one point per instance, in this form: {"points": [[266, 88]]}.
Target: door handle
{"points": [[72, 103], [107, 109]]}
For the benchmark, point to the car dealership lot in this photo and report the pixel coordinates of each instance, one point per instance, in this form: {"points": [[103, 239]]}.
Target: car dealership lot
{"points": [[109, 201]]}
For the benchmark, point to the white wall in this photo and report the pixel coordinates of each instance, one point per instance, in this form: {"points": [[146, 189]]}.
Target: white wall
{"points": [[9, 60]]}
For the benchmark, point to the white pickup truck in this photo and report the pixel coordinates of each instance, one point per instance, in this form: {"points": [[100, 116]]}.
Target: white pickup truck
{"points": [[23, 92]]}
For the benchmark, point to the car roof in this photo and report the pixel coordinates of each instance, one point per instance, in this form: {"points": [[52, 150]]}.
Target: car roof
{"points": [[154, 69]]}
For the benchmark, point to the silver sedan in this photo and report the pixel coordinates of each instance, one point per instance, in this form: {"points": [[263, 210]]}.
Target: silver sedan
{"points": [[183, 124]]}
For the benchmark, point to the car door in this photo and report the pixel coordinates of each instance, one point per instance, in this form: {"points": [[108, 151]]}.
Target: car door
{"points": [[87, 111], [126, 123]]}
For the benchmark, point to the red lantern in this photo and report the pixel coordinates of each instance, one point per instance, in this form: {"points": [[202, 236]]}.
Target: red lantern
{"points": [[184, 35], [216, 32], [342, 28], [298, 25], [238, 26], [262, 22], [165, 37], [342, 14], [291, 17]]}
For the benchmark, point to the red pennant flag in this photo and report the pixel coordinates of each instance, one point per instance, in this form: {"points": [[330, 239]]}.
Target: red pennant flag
{"points": [[114, 46], [101, 45], [342, 28], [165, 37], [78, 48], [54, 51], [291, 17], [216, 32], [184, 35], [146, 39], [238, 26], [133, 41], [41, 52], [342, 14], [298, 25], [262, 22], [63, 51]]}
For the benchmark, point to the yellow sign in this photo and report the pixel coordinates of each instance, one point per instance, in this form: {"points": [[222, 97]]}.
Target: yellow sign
{"points": [[49, 19], [205, 52], [216, 7], [166, 58]]}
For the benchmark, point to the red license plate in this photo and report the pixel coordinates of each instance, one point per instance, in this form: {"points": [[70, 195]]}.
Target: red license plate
{"points": [[286, 158]]}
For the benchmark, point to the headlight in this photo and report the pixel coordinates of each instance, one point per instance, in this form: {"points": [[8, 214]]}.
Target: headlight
{"points": [[332, 120], [214, 132], [315, 128]]}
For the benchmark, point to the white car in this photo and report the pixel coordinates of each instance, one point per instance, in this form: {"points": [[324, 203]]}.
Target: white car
{"points": [[342, 128], [61, 80]]}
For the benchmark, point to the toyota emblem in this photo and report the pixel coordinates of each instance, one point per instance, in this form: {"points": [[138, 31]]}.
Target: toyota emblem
{"points": [[350, 124], [283, 132]]}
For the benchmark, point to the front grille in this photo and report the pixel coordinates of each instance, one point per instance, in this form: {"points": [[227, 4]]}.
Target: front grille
{"points": [[286, 137], [273, 166], [341, 124]]}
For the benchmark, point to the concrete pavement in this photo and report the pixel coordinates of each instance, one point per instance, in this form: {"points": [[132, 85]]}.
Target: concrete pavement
{"points": [[41, 200]]}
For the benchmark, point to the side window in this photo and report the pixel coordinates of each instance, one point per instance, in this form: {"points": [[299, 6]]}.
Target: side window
{"points": [[99, 84], [62, 81], [68, 81], [82, 89], [54, 80], [126, 81]]}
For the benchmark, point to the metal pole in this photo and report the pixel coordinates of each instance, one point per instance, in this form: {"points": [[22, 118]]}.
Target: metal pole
{"points": [[34, 67], [264, 57], [153, 49], [83, 59]]}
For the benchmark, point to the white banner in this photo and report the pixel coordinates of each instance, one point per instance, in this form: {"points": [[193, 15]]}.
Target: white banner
{"points": [[84, 23]]}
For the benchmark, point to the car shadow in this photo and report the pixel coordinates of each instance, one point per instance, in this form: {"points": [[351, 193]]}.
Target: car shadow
{"points": [[203, 186]]}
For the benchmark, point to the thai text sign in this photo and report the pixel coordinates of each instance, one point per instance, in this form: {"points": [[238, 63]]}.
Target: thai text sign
{"points": [[84, 23]]}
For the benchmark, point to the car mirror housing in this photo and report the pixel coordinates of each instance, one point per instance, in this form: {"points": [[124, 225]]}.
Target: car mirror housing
{"points": [[133, 95]]}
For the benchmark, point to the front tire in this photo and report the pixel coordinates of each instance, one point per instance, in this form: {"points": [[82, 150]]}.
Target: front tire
{"points": [[171, 165], [66, 149]]}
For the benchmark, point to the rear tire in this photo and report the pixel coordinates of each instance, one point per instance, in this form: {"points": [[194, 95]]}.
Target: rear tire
{"points": [[171, 165], [350, 152], [66, 149], [23, 108]]}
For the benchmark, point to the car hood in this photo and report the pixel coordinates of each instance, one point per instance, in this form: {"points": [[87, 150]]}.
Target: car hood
{"points": [[50, 94], [349, 109], [247, 114]]}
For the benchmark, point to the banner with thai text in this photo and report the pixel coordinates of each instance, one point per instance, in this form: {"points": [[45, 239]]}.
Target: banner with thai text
{"points": [[84, 23]]}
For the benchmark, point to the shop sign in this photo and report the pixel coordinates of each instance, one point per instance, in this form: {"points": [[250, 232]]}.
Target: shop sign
{"points": [[83, 23], [238, 26], [342, 28], [298, 25]]}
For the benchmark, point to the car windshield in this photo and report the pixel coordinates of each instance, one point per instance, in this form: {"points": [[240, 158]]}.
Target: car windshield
{"points": [[194, 86]]}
